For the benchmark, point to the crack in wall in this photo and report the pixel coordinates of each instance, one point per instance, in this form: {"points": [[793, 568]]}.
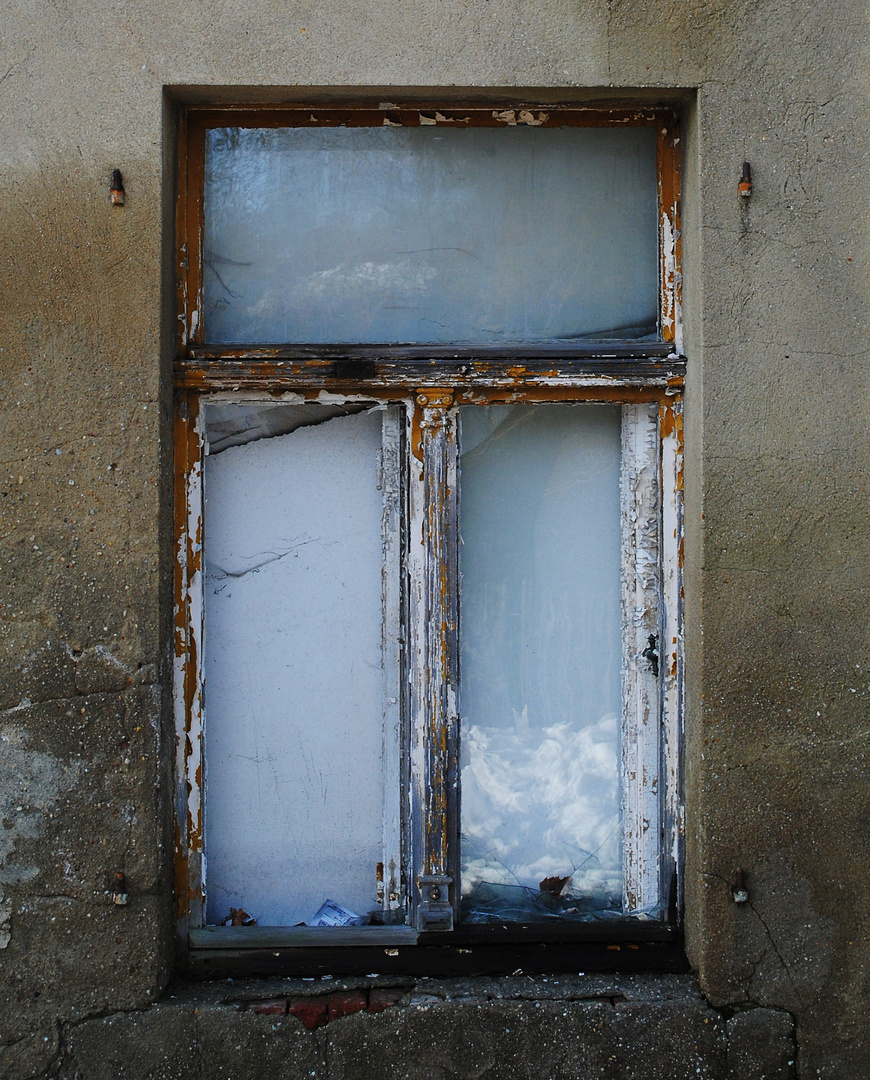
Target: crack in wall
{"points": [[779, 955], [757, 962]]}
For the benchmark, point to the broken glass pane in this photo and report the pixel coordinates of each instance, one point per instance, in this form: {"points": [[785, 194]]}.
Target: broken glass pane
{"points": [[294, 689], [236, 423], [540, 661], [430, 234]]}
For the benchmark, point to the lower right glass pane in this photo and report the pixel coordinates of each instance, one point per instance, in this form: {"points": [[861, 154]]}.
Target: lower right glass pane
{"points": [[540, 662]]}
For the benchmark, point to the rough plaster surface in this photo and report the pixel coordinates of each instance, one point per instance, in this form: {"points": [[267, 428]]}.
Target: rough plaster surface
{"points": [[777, 459], [569, 1027]]}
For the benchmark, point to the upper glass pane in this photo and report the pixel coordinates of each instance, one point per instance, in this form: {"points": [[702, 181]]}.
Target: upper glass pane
{"points": [[430, 235]]}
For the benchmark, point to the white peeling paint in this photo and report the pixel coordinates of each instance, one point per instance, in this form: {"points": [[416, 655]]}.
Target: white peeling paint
{"points": [[641, 777], [532, 119], [525, 116], [440, 118], [187, 671], [432, 604], [672, 633], [671, 316]]}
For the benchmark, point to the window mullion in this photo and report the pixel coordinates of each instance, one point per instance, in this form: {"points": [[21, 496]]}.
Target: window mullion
{"points": [[432, 615]]}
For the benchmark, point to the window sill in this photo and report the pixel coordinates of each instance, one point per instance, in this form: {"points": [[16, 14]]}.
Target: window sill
{"points": [[299, 937], [627, 946]]}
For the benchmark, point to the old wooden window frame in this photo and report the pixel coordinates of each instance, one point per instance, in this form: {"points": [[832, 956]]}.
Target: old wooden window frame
{"points": [[644, 378]]}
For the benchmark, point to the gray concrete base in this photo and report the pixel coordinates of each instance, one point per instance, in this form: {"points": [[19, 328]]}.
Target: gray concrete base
{"points": [[542, 1028]]}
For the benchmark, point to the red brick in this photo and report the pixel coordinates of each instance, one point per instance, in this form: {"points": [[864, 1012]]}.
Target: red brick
{"points": [[380, 999], [312, 1011], [276, 1007], [346, 1003]]}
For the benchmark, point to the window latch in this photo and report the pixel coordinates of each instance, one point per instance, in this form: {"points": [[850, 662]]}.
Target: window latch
{"points": [[651, 656], [435, 912]]}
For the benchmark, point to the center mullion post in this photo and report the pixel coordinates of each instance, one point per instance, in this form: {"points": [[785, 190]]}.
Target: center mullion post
{"points": [[433, 671]]}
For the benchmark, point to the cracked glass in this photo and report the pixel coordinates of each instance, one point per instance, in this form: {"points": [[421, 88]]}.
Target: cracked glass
{"points": [[296, 685]]}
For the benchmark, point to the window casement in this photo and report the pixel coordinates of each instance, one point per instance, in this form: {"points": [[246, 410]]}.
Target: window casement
{"points": [[428, 500]]}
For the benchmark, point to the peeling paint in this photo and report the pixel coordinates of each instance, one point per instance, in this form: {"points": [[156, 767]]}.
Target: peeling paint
{"points": [[434, 648], [670, 242], [527, 117], [188, 636], [397, 372], [32, 783], [669, 264], [440, 118], [641, 811], [671, 427]]}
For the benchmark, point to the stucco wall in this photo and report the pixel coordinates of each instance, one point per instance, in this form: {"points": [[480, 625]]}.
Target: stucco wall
{"points": [[776, 313]]}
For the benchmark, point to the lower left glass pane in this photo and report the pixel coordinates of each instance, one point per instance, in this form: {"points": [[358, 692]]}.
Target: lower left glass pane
{"points": [[298, 668]]}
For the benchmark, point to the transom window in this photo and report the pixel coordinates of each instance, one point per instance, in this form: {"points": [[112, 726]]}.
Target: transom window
{"points": [[428, 600]]}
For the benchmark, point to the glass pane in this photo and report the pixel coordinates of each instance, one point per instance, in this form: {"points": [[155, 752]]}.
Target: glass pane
{"points": [[430, 234], [294, 680], [540, 662]]}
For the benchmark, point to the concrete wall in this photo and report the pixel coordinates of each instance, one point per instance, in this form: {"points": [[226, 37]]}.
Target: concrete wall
{"points": [[776, 292]]}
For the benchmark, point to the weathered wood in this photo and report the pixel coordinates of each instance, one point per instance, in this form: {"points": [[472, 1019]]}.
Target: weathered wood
{"points": [[424, 847], [188, 663], [671, 435], [543, 353], [308, 376], [433, 674], [642, 635], [392, 895]]}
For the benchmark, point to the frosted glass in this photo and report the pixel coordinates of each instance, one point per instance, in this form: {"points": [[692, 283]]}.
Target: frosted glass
{"points": [[294, 800], [430, 234], [540, 661]]}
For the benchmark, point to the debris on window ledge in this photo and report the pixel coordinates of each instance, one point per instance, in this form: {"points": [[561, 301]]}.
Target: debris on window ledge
{"points": [[489, 902], [239, 917]]}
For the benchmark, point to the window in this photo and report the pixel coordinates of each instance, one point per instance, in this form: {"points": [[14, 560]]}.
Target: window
{"points": [[428, 594]]}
